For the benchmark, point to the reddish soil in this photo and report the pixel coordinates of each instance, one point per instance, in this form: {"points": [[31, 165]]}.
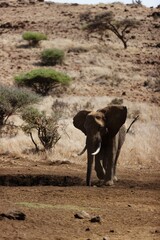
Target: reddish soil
{"points": [[128, 210]]}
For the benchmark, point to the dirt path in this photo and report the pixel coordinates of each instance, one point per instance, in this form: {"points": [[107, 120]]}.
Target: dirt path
{"points": [[128, 210]]}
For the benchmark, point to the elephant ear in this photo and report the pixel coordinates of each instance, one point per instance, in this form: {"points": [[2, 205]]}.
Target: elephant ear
{"points": [[115, 117], [79, 120]]}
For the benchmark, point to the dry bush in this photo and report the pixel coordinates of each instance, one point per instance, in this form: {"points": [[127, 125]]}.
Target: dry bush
{"points": [[70, 109], [153, 84]]}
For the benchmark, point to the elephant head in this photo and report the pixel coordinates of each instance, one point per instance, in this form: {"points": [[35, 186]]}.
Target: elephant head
{"points": [[100, 128]]}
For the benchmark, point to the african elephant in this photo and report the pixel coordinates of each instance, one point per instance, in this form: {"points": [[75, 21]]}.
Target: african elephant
{"points": [[105, 134]]}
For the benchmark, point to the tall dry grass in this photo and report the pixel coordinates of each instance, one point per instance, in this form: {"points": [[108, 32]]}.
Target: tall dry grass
{"points": [[141, 148]]}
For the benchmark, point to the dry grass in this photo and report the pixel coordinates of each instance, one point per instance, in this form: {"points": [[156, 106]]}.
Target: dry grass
{"points": [[140, 149]]}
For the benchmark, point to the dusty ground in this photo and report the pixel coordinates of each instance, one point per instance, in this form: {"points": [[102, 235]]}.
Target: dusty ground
{"points": [[128, 210], [51, 194]]}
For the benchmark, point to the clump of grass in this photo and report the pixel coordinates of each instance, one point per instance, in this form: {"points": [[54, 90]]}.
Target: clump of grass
{"points": [[34, 37], [77, 49], [52, 56]]}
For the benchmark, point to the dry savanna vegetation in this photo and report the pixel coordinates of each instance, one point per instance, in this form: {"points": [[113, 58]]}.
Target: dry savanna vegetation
{"points": [[68, 60]]}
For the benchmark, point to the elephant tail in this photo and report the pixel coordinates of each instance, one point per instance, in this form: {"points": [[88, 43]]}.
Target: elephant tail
{"points": [[134, 120]]}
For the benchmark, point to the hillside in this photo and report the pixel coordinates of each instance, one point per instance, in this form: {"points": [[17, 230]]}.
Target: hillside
{"points": [[97, 69]]}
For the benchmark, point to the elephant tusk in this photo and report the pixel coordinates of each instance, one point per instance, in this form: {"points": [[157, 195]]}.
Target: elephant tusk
{"points": [[84, 149], [98, 149]]}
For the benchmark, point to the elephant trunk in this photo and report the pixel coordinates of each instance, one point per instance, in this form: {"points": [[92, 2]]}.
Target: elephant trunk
{"points": [[93, 148], [89, 169]]}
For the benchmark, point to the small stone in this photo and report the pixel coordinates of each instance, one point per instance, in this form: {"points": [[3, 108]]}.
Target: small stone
{"points": [[87, 229], [112, 231], [106, 238]]}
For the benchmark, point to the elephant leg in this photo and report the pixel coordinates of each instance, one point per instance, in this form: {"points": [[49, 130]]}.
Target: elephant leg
{"points": [[109, 173], [115, 165], [99, 167], [108, 164]]}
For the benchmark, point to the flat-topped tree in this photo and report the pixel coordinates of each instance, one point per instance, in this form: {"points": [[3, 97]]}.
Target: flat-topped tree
{"points": [[102, 22], [42, 80]]}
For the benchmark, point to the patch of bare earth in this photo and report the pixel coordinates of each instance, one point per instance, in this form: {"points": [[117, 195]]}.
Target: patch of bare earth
{"points": [[128, 210], [50, 188]]}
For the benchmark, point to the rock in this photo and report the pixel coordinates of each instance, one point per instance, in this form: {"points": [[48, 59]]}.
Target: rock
{"points": [[4, 4], [13, 215], [106, 238], [82, 215], [95, 219], [87, 229]]}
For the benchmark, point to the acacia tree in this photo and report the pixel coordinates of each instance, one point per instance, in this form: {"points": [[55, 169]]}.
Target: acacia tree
{"points": [[42, 80], [102, 22]]}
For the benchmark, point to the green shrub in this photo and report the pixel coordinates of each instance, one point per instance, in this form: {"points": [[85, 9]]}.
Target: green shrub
{"points": [[34, 37], [52, 56], [12, 100], [42, 80], [46, 127]]}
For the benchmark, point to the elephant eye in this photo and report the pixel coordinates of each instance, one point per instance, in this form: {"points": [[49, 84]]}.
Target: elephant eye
{"points": [[98, 117]]}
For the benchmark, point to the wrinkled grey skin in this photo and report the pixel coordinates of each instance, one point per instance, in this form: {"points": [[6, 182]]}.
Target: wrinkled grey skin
{"points": [[104, 128]]}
